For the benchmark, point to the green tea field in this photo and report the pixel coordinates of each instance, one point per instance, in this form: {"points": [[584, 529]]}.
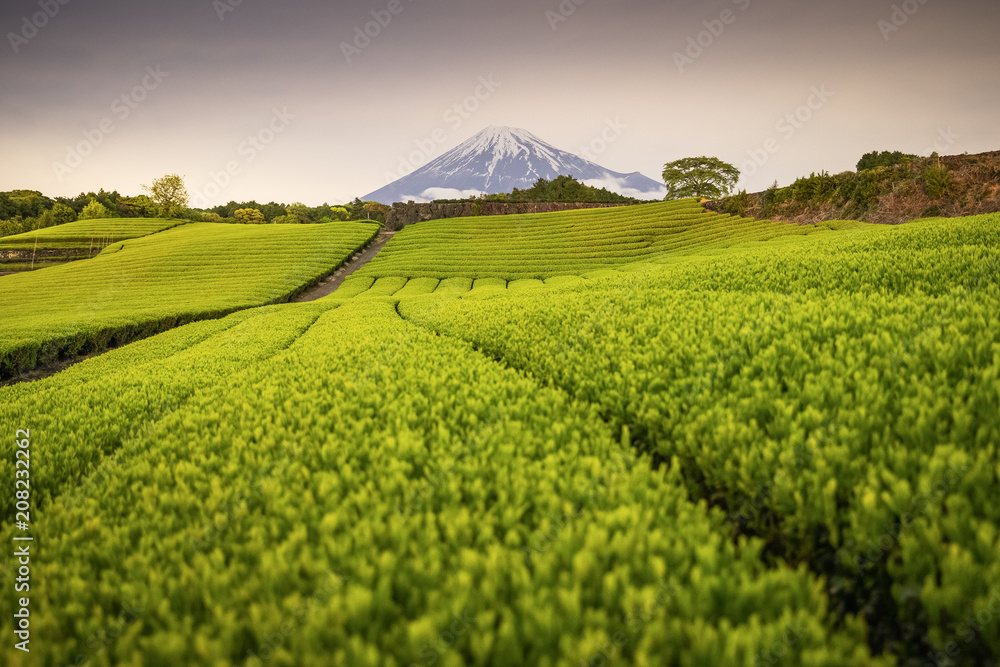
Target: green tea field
{"points": [[139, 287], [83, 239], [650, 436]]}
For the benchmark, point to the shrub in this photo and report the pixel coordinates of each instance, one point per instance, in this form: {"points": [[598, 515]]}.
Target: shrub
{"points": [[937, 181]]}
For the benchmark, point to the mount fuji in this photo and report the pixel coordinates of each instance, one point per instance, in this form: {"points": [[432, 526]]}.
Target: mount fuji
{"points": [[499, 159]]}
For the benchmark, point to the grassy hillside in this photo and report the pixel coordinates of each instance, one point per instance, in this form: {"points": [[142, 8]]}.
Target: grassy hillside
{"points": [[75, 240], [544, 246], [139, 287], [758, 445], [949, 186]]}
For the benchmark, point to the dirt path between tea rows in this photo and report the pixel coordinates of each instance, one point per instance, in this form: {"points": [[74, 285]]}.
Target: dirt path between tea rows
{"points": [[325, 288], [331, 284]]}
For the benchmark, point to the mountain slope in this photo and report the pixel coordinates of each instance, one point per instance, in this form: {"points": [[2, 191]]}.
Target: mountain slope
{"points": [[948, 186], [499, 159]]}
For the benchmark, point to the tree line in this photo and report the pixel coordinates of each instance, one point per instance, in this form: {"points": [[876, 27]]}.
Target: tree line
{"points": [[27, 210], [559, 189]]}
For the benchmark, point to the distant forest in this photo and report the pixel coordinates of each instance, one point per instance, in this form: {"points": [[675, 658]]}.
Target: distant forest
{"points": [[27, 210], [563, 189]]}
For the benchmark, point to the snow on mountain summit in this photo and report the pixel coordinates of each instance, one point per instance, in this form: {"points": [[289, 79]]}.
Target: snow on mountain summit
{"points": [[499, 159]]}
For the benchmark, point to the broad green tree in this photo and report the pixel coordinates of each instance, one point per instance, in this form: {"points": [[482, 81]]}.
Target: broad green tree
{"points": [[170, 194], [706, 177], [94, 211], [249, 216], [376, 211], [63, 214], [300, 211]]}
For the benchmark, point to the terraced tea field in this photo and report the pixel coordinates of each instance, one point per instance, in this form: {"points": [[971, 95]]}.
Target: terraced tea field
{"points": [[539, 247], [737, 444], [73, 241], [136, 288]]}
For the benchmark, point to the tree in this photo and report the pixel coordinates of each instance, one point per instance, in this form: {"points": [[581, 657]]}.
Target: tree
{"points": [[94, 211], [376, 211], [139, 207], [63, 214], [249, 216], [171, 195], [287, 219], [340, 213], [877, 159], [299, 211], [707, 177]]}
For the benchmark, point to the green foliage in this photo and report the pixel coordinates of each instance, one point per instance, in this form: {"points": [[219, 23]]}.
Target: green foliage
{"points": [[170, 195], [285, 220], [94, 211], [140, 287], [815, 189], [560, 189], [249, 216], [937, 181], [738, 204], [375, 212], [706, 177], [23, 203], [836, 395], [543, 245], [140, 207], [338, 486], [300, 212], [876, 159], [564, 189], [721, 441], [63, 214], [89, 233]]}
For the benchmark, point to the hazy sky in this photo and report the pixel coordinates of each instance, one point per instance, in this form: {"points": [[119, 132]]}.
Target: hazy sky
{"points": [[261, 99]]}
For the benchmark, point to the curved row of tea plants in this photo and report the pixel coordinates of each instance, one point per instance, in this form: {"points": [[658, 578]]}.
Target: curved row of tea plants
{"points": [[377, 495], [842, 403], [140, 287]]}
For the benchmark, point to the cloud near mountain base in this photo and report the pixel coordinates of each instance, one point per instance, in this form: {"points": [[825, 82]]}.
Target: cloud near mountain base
{"points": [[620, 186]]}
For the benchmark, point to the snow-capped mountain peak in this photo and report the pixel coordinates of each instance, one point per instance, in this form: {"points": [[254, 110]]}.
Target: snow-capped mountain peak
{"points": [[499, 159]]}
